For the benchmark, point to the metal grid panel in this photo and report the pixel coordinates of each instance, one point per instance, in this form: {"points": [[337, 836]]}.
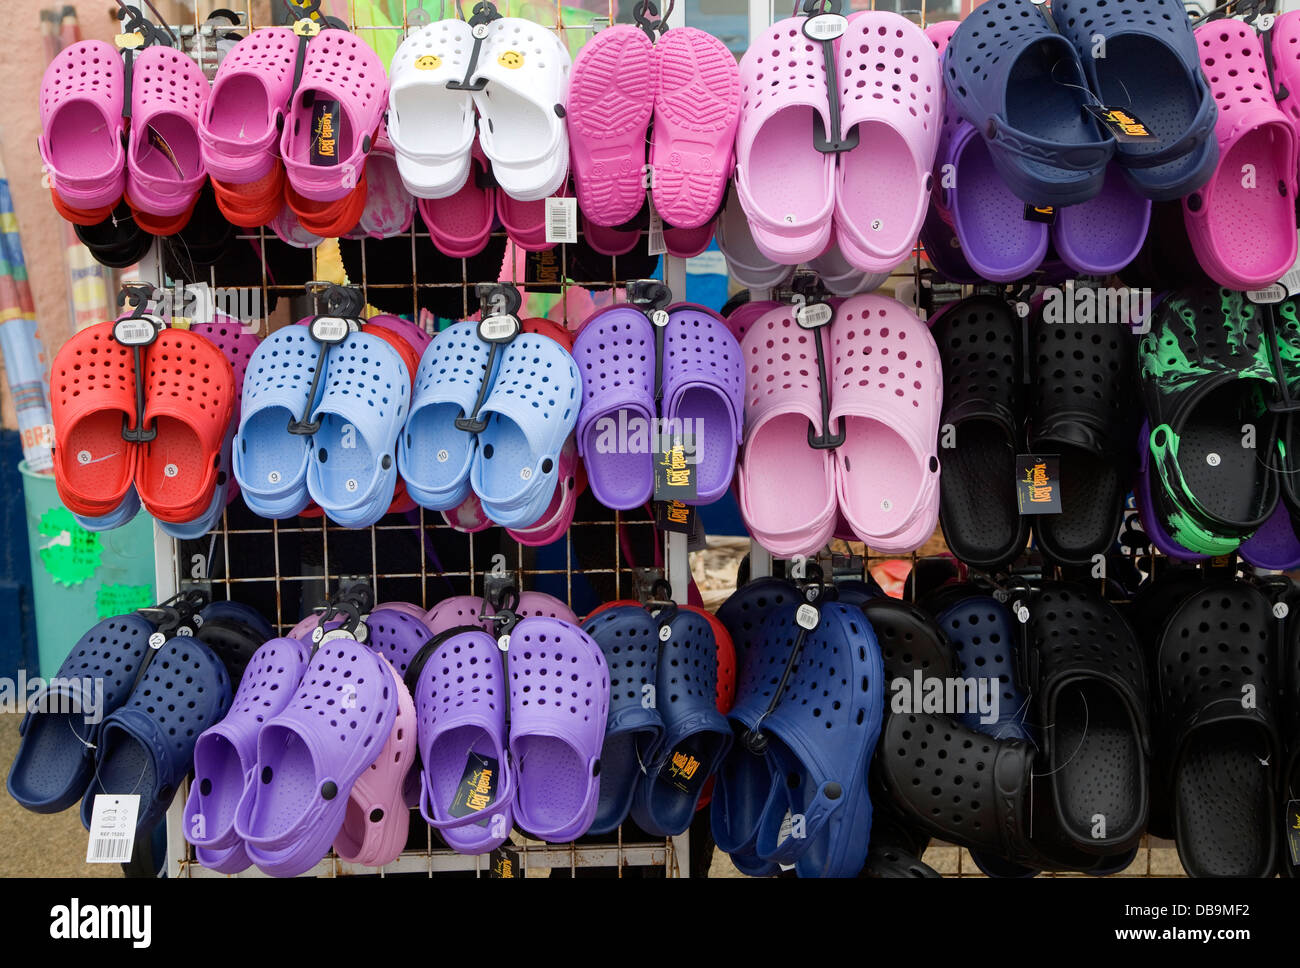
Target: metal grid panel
{"points": [[1155, 857], [284, 568]]}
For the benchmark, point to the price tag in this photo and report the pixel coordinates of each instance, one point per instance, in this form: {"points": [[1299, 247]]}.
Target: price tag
{"points": [[498, 329], [656, 243], [330, 329], [807, 616], [825, 26], [1268, 295], [112, 828], [814, 315], [562, 220], [137, 330]]}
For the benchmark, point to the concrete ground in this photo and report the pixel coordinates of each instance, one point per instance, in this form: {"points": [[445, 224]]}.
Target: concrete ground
{"points": [[40, 845]]}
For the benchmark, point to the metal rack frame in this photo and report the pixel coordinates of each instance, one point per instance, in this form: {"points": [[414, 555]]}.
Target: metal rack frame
{"points": [[174, 568]]}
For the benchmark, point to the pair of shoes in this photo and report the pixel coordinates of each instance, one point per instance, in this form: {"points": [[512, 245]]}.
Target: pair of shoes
{"points": [[289, 771], [513, 94], [1078, 407], [342, 453], [1213, 364], [681, 96], [514, 738], [700, 395], [497, 430], [872, 196], [1084, 672], [1027, 89], [666, 732], [995, 238], [861, 446], [793, 789], [101, 467], [101, 143]]}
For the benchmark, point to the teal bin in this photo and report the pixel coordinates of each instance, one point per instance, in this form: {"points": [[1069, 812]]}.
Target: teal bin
{"points": [[80, 576]]}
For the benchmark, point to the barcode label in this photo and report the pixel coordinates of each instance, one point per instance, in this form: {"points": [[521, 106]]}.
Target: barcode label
{"points": [[109, 850], [112, 828], [562, 220], [655, 235]]}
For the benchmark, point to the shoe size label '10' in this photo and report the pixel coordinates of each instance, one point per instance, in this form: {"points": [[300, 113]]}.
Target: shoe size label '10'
{"points": [[477, 789], [1038, 483]]}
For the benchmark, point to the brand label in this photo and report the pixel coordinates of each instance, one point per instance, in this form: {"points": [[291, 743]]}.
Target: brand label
{"points": [[478, 786], [1038, 483], [325, 116]]}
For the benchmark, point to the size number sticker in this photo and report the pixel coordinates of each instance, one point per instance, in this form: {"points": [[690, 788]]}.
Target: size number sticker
{"points": [[112, 828]]}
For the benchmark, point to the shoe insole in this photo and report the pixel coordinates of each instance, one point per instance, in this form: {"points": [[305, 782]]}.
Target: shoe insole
{"points": [[704, 411], [240, 113], [621, 762], [98, 462], [1251, 222], [997, 239], [978, 495], [348, 466], [259, 462], [82, 144], [182, 148], [623, 476], [786, 173], [883, 186], [1091, 497], [1098, 762], [743, 786], [779, 463], [286, 781], [1149, 79], [881, 475], [126, 766], [219, 774], [553, 783], [437, 454], [1226, 477], [173, 466], [672, 802], [50, 761], [1222, 803], [524, 128]]}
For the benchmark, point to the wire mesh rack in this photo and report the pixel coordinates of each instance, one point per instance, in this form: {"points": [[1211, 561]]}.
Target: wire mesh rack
{"points": [[284, 568]]}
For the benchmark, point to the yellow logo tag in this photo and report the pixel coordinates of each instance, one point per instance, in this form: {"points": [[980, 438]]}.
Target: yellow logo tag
{"points": [[429, 62], [511, 59]]}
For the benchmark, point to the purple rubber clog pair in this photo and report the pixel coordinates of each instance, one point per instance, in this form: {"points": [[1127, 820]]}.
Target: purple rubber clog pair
{"points": [[701, 395], [479, 774]]}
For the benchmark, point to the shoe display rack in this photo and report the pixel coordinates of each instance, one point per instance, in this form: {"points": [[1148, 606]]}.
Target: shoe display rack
{"points": [[285, 567]]}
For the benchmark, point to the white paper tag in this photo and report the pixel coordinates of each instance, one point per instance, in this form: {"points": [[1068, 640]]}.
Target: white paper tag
{"points": [[787, 828], [329, 329], [112, 828], [825, 26], [198, 305], [806, 617], [1269, 294], [136, 331], [498, 329], [562, 220], [813, 315], [1291, 280], [655, 242]]}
